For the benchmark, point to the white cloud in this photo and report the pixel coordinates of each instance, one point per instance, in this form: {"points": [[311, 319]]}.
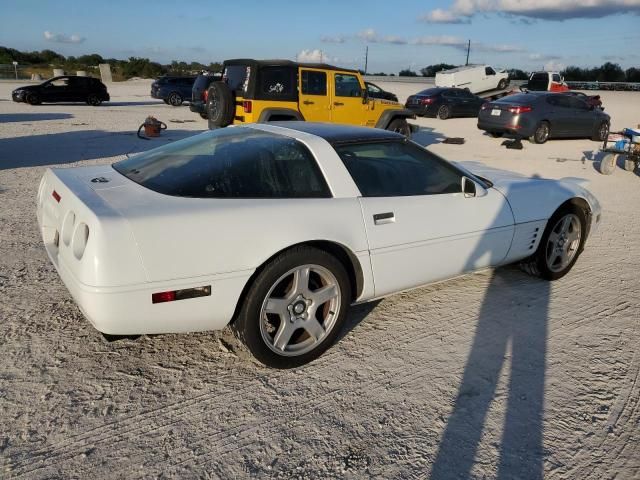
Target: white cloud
{"points": [[63, 38], [368, 35], [445, 40], [462, 10], [333, 39], [394, 40], [553, 66], [315, 56]]}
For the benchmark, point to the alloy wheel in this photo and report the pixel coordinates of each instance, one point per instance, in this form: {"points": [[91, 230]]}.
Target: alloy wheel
{"points": [[563, 242]]}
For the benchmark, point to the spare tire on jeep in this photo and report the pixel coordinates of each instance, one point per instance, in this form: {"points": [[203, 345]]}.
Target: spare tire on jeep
{"points": [[221, 105]]}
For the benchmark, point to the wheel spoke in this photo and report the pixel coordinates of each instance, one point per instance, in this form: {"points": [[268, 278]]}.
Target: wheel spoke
{"points": [[572, 237], [566, 222], [300, 281], [314, 328], [277, 306], [553, 238], [283, 335], [324, 294]]}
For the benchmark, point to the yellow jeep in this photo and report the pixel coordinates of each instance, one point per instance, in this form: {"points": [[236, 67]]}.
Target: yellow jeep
{"points": [[276, 90]]}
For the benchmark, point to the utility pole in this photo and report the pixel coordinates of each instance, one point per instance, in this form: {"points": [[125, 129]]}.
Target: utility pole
{"points": [[468, 49], [320, 56], [366, 59]]}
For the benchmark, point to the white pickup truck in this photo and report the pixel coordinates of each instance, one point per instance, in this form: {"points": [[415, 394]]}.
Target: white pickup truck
{"points": [[477, 78]]}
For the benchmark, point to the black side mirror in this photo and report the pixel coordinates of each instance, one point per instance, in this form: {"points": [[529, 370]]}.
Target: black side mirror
{"points": [[468, 187]]}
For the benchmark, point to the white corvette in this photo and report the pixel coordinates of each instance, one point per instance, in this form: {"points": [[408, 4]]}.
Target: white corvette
{"points": [[278, 228]]}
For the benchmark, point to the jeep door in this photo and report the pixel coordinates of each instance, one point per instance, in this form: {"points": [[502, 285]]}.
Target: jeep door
{"points": [[314, 99], [347, 106]]}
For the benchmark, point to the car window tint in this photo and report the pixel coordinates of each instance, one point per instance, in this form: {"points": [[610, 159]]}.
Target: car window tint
{"points": [[489, 71], [556, 77], [347, 85], [60, 82], [372, 88], [399, 168], [575, 102], [236, 76], [451, 93], [276, 81], [563, 101], [314, 83], [229, 163]]}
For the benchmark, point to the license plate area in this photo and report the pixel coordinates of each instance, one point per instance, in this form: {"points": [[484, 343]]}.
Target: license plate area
{"points": [[496, 112]]}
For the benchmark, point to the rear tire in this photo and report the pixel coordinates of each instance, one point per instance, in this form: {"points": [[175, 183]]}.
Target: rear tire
{"points": [[444, 112], [607, 164], [495, 134], [220, 105], [601, 132], [175, 99], [560, 246], [284, 320], [628, 165], [502, 84], [541, 134], [93, 100], [400, 125]]}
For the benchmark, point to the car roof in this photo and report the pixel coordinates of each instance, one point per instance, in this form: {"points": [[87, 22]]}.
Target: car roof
{"points": [[338, 134], [285, 63]]}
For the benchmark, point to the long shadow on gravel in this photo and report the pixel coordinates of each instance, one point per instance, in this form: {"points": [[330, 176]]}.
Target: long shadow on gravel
{"points": [[69, 147], [511, 333]]}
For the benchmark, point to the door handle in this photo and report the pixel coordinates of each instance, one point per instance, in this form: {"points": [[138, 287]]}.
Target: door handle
{"points": [[308, 102], [338, 104], [382, 218]]}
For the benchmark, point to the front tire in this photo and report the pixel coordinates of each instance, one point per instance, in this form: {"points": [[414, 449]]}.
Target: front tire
{"points": [[93, 100], [33, 99], [601, 132], [175, 99], [295, 308], [607, 164], [400, 125], [541, 134], [561, 244]]}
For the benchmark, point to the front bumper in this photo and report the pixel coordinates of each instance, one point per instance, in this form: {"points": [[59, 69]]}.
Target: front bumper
{"points": [[18, 96]]}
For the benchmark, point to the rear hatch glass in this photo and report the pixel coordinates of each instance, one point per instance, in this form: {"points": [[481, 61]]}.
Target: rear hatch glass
{"points": [[237, 77]]}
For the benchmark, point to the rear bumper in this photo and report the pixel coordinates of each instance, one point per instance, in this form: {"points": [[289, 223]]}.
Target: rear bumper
{"points": [[514, 128], [423, 111], [128, 310]]}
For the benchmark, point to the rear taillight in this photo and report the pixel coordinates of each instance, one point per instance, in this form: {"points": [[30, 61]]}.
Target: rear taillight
{"points": [[485, 106], [246, 105], [205, 95], [520, 109], [56, 196], [427, 101], [173, 295]]}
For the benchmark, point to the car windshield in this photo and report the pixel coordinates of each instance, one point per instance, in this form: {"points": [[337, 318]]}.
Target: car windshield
{"points": [[229, 163]]}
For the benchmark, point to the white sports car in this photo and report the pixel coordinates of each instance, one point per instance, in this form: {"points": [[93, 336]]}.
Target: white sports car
{"points": [[278, 228]]}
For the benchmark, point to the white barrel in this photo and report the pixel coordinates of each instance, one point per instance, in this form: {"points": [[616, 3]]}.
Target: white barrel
{"points": [[81, 73], [58, 72]]}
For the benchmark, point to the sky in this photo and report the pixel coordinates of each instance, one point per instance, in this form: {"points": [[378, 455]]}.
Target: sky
{"points": [[410, 34]]}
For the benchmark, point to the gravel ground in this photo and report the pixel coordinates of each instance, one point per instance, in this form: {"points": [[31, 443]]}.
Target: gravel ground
{"points": [[496, 374]]}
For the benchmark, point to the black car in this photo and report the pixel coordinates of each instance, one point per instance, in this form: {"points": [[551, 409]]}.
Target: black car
{"points": [[63, 89], [445, 103], [199, 92], [543, 115], [172, 90], [375, 91]]}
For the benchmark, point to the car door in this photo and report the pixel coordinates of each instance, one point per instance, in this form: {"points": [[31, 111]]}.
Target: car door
{"points": [[453, 100], [347, 99], [314, 99], [490, 79], [420, 226], [77, 89], [583, 118], [560, 115], [56, 90]]}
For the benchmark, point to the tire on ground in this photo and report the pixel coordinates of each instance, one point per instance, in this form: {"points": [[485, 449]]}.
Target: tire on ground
{"points": [[607, 164], [220, 105], [400, 125], [623, 160], [247, 324], [539, 135], [537, 264]]}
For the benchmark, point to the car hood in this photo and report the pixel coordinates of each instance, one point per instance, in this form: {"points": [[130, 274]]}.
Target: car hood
{"points": [[533, 198]]}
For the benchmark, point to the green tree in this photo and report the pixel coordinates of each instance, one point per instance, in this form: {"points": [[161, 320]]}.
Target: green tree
{"points": [[407, 73]]}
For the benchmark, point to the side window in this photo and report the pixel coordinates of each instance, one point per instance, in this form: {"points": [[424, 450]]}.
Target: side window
{"points": [[451, 93], [347, 85], [396, 169], [563, 101], [314, 83], [60, 82], [556, 77], [578, 103], [277, 82], [489, 71], [372, 88]]}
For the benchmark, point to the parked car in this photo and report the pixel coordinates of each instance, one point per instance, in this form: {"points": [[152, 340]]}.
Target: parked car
{"points": [[445, 103], [277, 228], [66, 88], [375, 91], [545, 82], [475, 78], [199, 92], [172, 90], [277, 90], [594, 100], [543, 115]]}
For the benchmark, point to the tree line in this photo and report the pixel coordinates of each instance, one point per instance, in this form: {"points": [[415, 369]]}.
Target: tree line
{"points": [[132, 67], [608, 72]]}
